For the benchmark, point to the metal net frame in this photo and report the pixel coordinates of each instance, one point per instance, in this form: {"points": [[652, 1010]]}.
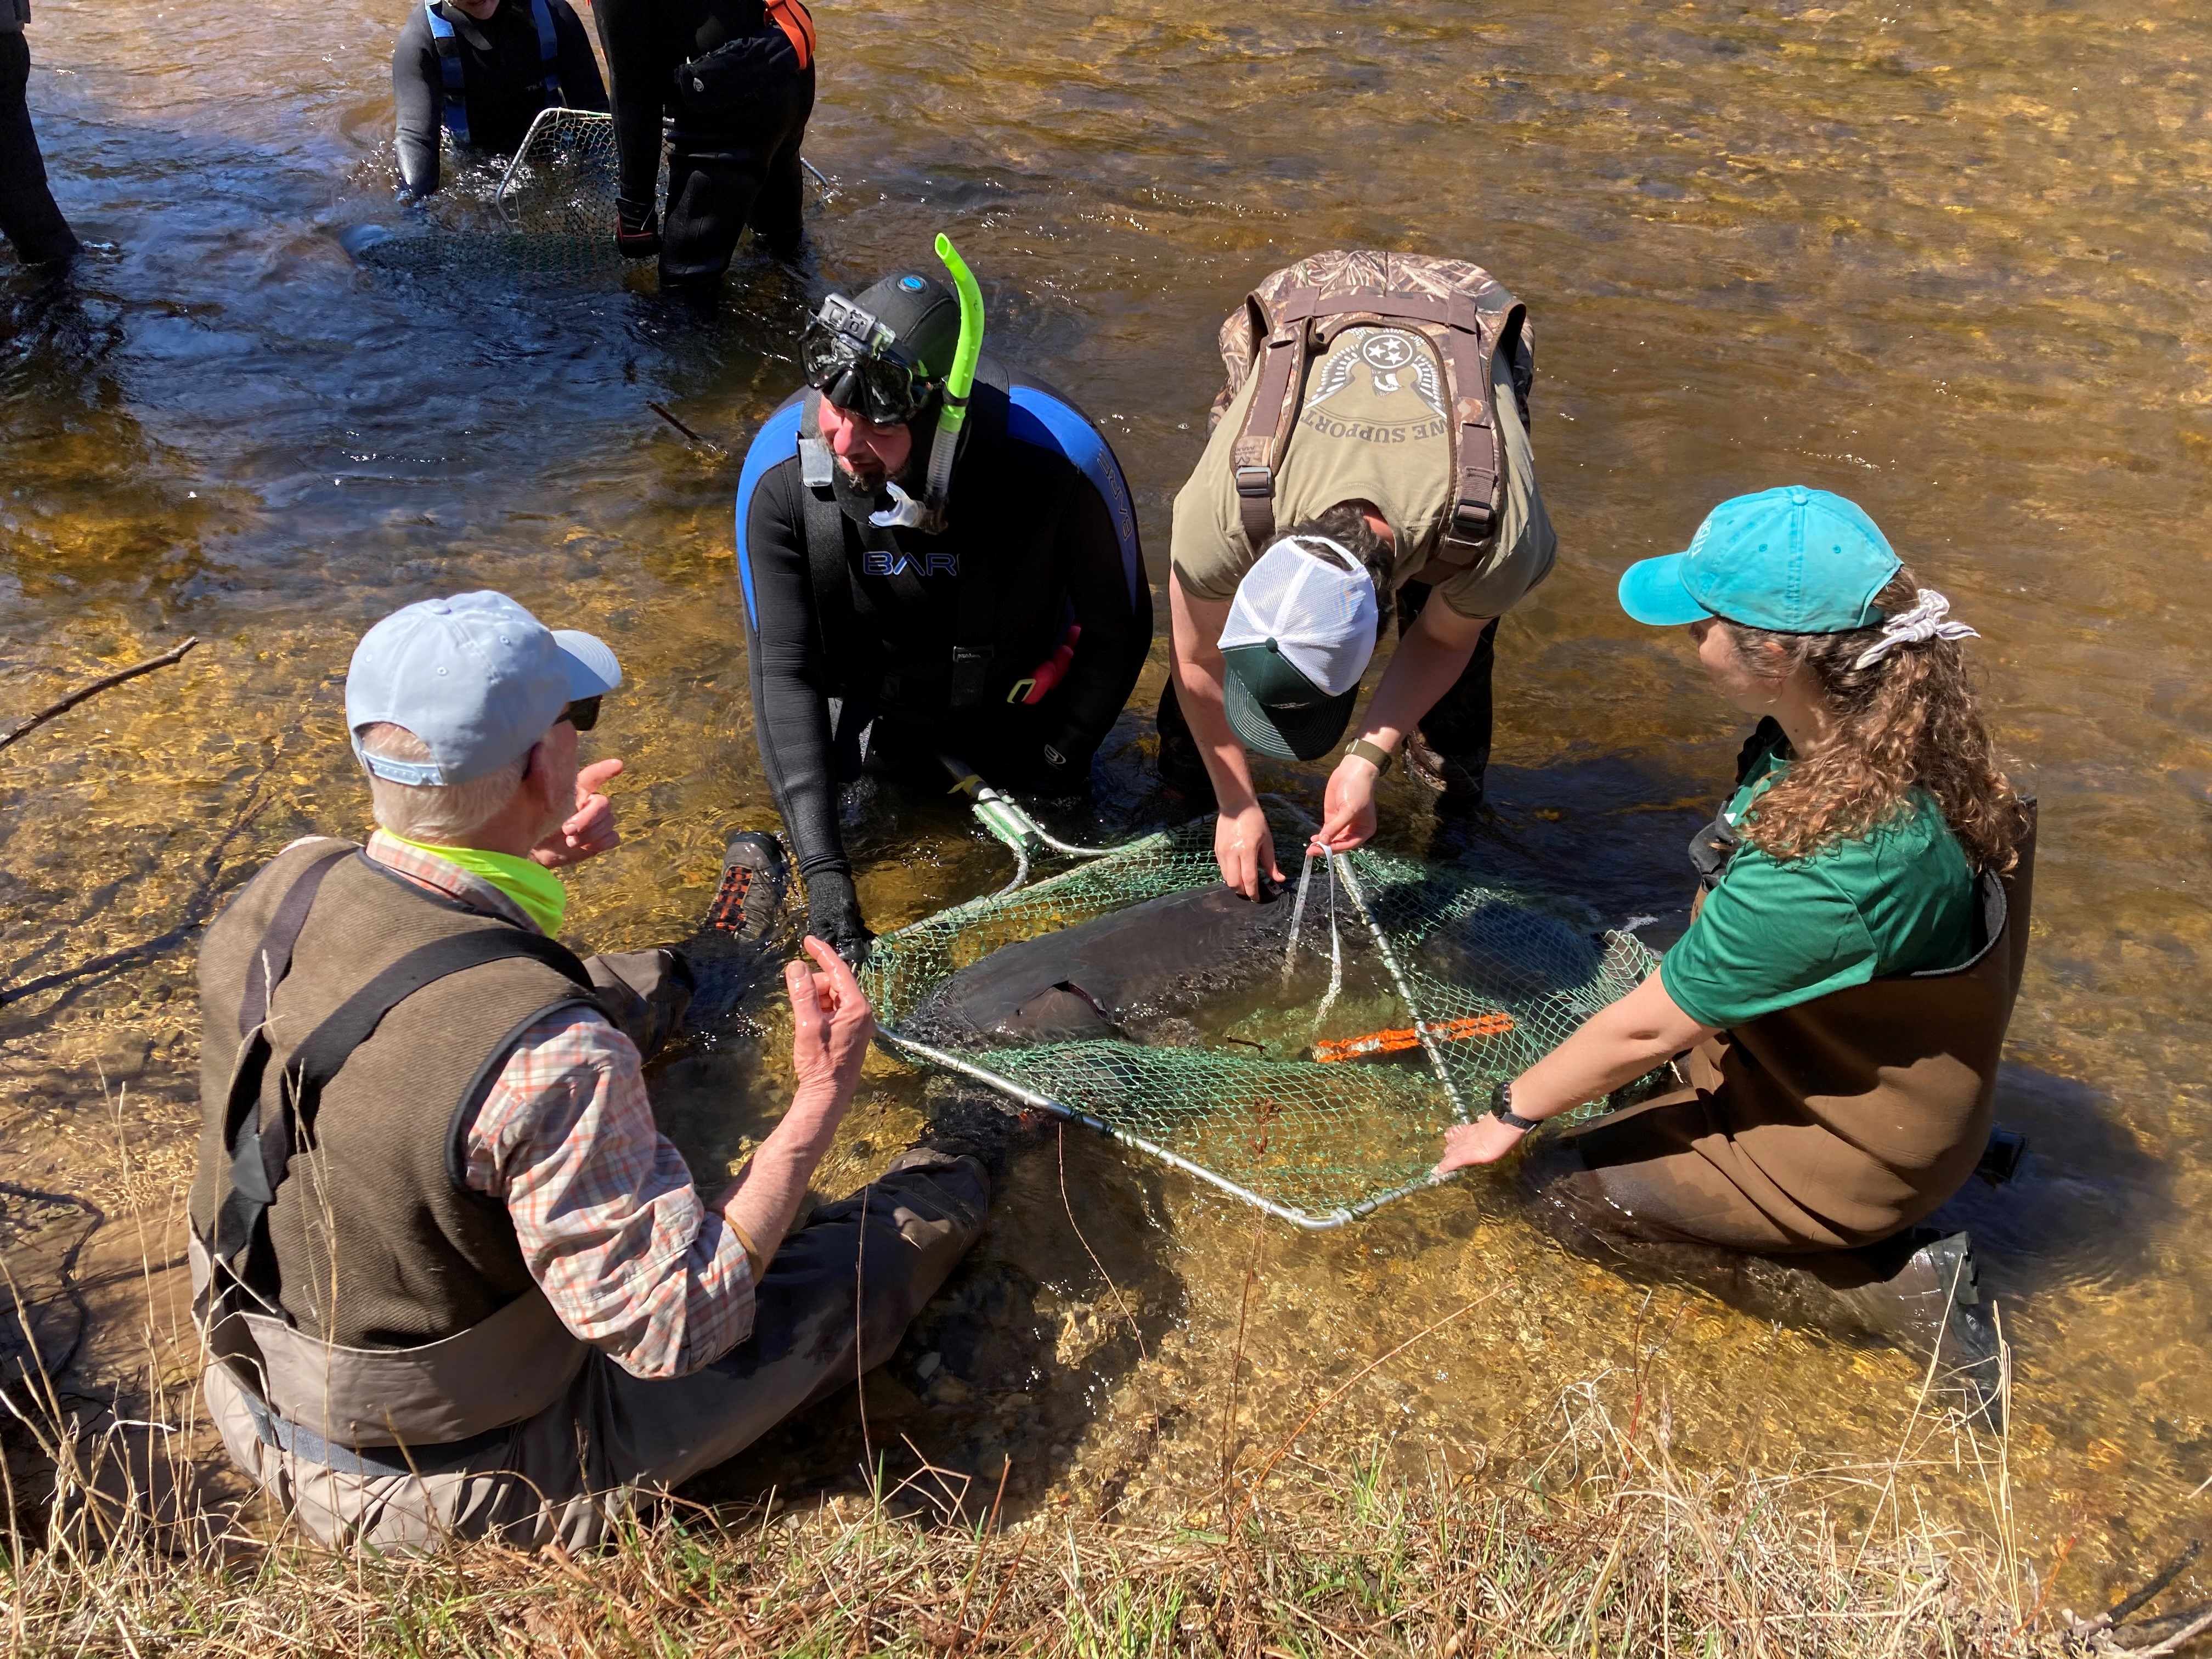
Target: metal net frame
{"points": [[1322, 1103], [565, 175]]}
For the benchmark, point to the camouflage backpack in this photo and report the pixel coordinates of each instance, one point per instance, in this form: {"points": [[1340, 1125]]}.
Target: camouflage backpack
{"points": [[1461, 308]]}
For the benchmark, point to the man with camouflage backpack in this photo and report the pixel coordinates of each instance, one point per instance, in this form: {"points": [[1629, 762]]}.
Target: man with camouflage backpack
{"points": [[1377, 406]]}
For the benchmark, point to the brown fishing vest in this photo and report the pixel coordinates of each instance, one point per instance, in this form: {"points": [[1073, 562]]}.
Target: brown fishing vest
{"points": [[353, 1023], [1465, 311], [1860, 1112]]}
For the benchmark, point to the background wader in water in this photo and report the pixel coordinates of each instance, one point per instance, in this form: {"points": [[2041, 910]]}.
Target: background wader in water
{"points": [[1817, 1134], [383, 1362], [28, 217], [738, 78], [483, 82]]}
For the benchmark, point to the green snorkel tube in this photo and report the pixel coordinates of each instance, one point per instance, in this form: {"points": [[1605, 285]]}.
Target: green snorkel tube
{"points": [[928, 514]]}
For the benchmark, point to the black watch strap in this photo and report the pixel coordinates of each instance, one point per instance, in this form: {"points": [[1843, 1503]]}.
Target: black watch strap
{"points": [[1501, 1107]]}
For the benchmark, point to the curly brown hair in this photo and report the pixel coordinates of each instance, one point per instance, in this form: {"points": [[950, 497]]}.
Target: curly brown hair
{"points": [[1908, 718]]}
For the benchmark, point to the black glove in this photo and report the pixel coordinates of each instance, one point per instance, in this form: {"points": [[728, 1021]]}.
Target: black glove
{"points": [[833, 916], [637, 229]]}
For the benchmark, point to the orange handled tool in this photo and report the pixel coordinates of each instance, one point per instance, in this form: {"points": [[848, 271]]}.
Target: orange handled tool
{"points": [[1397, 1042]]}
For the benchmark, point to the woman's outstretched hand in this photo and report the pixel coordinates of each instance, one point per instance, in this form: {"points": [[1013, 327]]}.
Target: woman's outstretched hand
{"points": [[1483, 1141]]}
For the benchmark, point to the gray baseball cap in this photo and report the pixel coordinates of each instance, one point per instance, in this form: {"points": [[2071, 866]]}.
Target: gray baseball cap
{"points": [[476, 677]]}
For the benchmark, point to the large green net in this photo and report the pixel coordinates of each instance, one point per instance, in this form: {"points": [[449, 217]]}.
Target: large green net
{"points": [[1322, 1090]]}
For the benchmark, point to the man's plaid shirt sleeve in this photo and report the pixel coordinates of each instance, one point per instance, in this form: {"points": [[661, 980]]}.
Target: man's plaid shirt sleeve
{"points": [[610, 1222]]}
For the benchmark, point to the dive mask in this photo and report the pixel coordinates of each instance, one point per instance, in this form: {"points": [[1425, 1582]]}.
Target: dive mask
{"points": [[853, 361]]}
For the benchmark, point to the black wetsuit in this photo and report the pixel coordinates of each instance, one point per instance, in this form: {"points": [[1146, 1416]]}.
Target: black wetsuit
{"points": [[503, 70], [739, 107], [28, 217], [1042, 535]]}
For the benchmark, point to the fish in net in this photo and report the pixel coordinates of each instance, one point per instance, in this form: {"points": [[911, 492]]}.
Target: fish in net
{"points": [[1306, 1055]]}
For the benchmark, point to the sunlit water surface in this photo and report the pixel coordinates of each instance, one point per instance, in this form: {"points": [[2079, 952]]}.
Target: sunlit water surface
{"points": [[1943, 259]]}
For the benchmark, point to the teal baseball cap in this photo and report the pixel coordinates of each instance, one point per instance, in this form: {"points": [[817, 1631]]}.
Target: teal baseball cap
{"points": [[1792, 559]]}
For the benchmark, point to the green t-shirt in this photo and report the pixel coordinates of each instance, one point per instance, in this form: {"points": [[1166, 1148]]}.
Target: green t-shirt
{"points": [[1779, 932]]}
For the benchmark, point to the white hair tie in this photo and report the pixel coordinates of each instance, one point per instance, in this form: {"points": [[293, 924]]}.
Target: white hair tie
{"points": [[1929, 619]]}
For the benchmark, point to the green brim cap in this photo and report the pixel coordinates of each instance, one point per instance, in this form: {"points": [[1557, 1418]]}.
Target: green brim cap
{"points": [[1275, 710]]}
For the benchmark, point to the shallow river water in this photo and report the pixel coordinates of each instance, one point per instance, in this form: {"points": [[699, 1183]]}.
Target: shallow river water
{"points": [[1942, 258]]}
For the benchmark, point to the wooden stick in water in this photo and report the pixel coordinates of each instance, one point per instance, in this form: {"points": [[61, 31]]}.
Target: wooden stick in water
{"points": [[95, 688]]}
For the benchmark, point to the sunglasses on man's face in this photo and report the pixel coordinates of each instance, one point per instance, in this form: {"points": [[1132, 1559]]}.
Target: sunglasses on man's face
{"points": [[583, 713]]}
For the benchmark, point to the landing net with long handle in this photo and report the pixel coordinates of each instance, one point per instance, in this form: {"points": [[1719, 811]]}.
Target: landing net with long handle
{"points": [[1441, 986]]}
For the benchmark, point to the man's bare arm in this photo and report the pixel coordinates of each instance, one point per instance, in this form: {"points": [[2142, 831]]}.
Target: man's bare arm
{"points": [[831, 1023], [1241, 843]]}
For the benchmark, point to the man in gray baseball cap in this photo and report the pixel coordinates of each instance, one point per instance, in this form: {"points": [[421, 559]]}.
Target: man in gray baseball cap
{"points": [[454, 1281]]}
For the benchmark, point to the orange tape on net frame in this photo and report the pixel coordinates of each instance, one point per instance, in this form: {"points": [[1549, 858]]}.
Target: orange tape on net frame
{"points": [[1397, 1042]]}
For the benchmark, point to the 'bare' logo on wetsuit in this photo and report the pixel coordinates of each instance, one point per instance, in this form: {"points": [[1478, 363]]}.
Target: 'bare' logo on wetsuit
{"points": [[874, 563]]}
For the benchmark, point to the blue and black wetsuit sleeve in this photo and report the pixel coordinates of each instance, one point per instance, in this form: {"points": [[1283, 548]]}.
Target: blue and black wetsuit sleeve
{"points": [[791, 708], [418, 93], [642, 52], [580, 85]]}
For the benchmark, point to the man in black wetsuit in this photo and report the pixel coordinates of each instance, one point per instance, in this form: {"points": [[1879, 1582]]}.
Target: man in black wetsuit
{"points": [[738, 78], [1009, 641], [483, 69], [29, 218]]}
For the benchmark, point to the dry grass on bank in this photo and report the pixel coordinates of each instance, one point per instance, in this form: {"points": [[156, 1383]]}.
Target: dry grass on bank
{"points": [[1607, 1547]]}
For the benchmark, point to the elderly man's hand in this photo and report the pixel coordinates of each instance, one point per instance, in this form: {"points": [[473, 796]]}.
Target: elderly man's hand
{"points": [[592, 828], [830, 1025]]}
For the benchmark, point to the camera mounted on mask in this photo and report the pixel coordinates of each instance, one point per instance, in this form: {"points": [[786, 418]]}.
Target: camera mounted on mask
{"points": [[853, 359]]}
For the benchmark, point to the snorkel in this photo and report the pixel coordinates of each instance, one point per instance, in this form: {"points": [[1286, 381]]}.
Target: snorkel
{"points": [[928, 515]]}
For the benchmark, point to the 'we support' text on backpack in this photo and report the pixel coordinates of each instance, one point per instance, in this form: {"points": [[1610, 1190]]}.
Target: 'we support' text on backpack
{"points": [[1463, 310]]}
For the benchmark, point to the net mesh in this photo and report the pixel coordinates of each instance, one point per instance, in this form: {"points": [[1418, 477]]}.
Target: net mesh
{"points": [[1316, 1096], [556, 212], [564, 178]]}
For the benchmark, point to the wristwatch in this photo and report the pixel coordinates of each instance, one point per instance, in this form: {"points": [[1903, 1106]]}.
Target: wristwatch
{"points": [[1501, 1107], [1373, 753]]}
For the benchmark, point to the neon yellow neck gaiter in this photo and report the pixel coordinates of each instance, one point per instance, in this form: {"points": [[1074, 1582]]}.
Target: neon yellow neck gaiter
{"points": [[529, 883]]}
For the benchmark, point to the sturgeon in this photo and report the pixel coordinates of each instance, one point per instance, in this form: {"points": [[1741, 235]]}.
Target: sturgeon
{"points": [[1121, 976]]}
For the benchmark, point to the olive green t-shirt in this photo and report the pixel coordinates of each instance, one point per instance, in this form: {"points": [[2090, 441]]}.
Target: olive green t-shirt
{"points": [[1779, 932], [1373, 425]]}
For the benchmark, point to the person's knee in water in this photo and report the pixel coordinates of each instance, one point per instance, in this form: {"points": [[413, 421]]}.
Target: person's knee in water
{"points": [[506, 1305], [1836, 1009], [1382, 414], [735, 80], [951, 567], [479, 71], [29, 221]]}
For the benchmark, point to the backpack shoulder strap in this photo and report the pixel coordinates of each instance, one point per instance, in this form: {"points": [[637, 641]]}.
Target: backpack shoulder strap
{"points": [[549, 49], [797, 26], [448, 45], [823, 523], [272, 957], [1280, 370]]}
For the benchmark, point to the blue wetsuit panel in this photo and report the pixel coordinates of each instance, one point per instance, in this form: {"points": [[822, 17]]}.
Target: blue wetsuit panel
{"points": [[1041, 420], [776, 442]]}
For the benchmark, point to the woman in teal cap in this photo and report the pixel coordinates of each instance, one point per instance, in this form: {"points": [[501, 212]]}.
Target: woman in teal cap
{"points": [[1837, 1006]]}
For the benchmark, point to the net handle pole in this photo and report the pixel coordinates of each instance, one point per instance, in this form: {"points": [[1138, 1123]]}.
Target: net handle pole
{"points": [[1429, 1045], [1312, 1223]]}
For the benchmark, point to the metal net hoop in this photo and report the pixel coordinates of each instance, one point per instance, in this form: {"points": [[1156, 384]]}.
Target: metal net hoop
{"points": [[1261, 1117]]}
